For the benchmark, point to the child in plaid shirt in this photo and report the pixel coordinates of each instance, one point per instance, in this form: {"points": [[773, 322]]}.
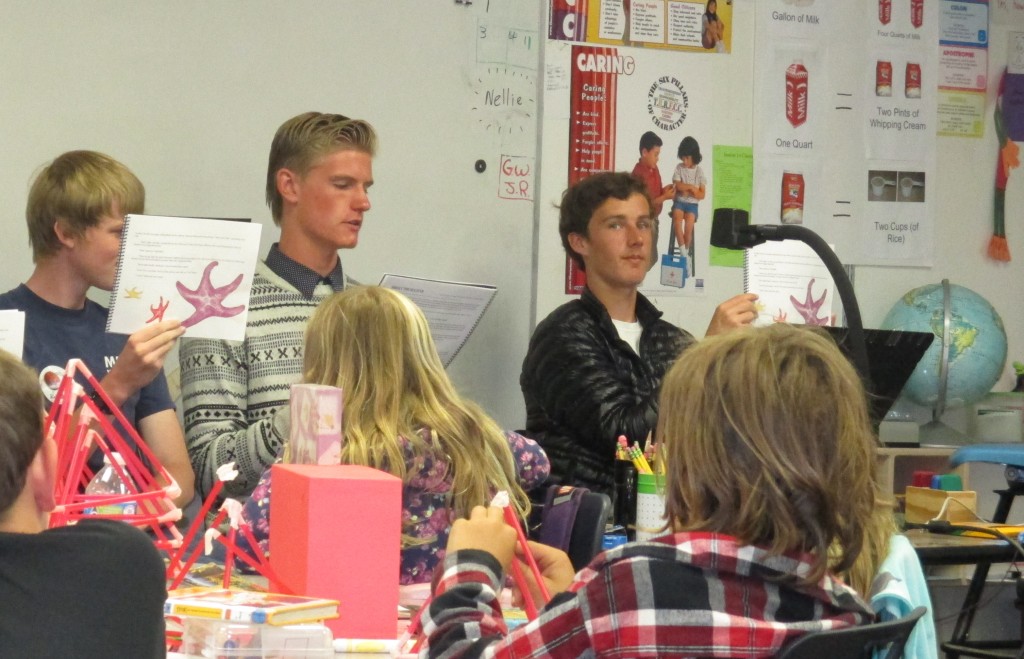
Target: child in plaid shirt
{"points": [[770, 495]]}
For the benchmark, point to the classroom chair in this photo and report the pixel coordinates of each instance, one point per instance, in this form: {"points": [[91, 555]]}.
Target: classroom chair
{"points": [[861, 642], [573, 519]]}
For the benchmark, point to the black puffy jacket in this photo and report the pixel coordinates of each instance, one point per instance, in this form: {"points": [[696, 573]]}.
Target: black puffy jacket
{"points": [[584, 386]]}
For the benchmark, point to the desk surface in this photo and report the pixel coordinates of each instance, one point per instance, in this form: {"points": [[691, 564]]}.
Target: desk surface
{"points": [[944, 549]]}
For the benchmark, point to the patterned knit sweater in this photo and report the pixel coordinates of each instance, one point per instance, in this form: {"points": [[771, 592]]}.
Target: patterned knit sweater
{"points": [[232, 390]]}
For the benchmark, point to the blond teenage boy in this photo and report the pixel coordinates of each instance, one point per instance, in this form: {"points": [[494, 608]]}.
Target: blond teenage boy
{"points": [[318, 177], [75, 213]]}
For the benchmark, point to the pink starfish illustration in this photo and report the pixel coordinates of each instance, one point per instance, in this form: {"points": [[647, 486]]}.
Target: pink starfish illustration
{"points": [[209, 299], [158, 310], [809, 308], [781, 318]]}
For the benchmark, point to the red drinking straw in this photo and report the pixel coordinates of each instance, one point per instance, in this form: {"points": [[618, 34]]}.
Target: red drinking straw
{"points": [[512, 520]]}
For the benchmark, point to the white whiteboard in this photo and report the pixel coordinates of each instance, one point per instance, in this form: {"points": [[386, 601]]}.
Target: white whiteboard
{"points": [[188, 95]]}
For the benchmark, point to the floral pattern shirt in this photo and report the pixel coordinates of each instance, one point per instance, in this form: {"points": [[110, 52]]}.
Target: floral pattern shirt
{"points": [[427, 512]]}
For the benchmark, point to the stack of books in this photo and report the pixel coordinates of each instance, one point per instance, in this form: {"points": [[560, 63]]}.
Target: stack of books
{"points": [[223, 622]]}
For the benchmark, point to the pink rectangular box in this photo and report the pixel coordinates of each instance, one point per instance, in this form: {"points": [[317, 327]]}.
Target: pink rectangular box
{"points": [[335, 531], [315, 435]]}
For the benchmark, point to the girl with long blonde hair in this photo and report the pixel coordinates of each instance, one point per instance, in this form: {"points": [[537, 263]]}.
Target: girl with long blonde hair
{"points": [[403, 415]]}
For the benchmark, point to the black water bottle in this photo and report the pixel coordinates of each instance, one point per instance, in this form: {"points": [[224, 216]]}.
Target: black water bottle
{"points": [[625, 496]]}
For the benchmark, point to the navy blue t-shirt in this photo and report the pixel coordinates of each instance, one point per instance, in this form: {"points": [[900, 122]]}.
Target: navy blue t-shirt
{"points": [[92, 590], [54, 335]]}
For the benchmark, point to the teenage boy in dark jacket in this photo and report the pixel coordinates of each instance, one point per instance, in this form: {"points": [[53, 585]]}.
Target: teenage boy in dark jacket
{"points": [[594, 365]]}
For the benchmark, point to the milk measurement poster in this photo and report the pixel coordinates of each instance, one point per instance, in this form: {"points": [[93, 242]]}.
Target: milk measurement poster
{"points": [[845, 124]]}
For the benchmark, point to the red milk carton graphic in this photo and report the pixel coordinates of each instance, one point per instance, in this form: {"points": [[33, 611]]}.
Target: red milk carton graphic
{"points": [[913, 80], [792, 198], [883, 78], [884, 11], [916, 12], [796, 93]]}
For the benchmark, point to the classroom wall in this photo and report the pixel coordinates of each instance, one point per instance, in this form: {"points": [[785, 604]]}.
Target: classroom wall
{"points": [[963, 227], [189, 94], [963, 216]]}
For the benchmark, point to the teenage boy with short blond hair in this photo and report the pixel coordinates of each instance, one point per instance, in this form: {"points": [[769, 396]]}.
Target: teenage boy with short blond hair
{"points": [[318, 177], [75, 215]]}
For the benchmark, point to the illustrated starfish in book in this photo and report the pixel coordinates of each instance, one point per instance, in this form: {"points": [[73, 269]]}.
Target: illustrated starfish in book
{"points": [[809, 308], [158, 310], [209, 299]]}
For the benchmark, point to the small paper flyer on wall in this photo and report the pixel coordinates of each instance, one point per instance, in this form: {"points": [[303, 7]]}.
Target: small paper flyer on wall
{"points": [[636, 110], [689, 25]]}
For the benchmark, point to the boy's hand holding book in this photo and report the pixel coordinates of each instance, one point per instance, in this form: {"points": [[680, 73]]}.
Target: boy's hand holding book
{"points": [[142, 359]]}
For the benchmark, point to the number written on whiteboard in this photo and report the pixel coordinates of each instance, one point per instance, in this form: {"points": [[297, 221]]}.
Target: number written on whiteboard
{"points": [[507, 46]]}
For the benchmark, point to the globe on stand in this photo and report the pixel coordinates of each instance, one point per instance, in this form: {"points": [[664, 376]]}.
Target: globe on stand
{"points": [[964, 361]]}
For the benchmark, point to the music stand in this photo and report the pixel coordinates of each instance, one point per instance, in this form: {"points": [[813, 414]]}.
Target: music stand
{"points": [[892, 357]]}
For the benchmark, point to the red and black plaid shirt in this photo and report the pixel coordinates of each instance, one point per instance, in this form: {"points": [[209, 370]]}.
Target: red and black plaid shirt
{"points": [[684, 595]]}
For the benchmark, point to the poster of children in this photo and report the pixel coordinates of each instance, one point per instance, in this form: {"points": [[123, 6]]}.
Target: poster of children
{"points": [[635, 110]]}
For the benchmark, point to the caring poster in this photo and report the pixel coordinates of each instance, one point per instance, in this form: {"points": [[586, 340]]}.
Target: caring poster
{"points": [[599, 102]]}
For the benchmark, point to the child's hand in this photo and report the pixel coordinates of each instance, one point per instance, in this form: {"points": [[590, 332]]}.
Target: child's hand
{"points": [[485, 530], [555, 569]]}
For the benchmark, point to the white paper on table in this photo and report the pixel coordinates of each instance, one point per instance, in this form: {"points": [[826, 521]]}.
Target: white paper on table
{"points": [[12, 331]]}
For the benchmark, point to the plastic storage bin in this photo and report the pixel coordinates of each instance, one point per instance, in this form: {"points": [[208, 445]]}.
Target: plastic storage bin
{"points": [[205, 638]]}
